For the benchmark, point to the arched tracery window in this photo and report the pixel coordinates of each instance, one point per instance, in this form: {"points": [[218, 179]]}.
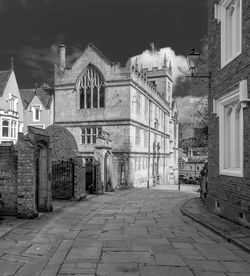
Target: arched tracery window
{"points": [[232, 135], [91, 89]]}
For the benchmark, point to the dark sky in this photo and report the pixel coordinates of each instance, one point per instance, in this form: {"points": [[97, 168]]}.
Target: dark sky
{"points": [[31, 29]]}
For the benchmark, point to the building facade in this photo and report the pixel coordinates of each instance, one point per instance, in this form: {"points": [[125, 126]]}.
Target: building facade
{"points": [[229, 110], [11, 107], [133, 108], [38, 107], [191, 166]]}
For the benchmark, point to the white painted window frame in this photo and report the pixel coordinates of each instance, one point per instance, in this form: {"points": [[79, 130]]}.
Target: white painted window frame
{"points": [[34, 108], [14, 130], [238, 94], [223, 18]]}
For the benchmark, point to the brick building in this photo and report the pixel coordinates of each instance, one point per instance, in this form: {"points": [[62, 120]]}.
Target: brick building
{"points": [[132, 106], [229, 110]]}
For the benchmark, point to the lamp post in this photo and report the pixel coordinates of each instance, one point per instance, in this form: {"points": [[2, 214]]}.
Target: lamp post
{"points": [[192, 60]]}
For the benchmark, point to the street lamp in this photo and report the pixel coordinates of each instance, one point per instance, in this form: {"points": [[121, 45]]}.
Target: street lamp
{"points": [[192, 60]]}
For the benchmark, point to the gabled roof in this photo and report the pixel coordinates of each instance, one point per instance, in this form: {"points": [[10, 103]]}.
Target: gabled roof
{"points": [[44, 93], [90, 45], [4, 77]]}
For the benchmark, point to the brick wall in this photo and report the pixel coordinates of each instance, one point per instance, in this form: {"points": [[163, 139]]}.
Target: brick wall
{"points": [[26, 179], [232, 193], [8, 180]]}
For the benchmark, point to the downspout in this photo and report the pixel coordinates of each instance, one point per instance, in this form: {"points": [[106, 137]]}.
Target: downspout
{"points": [[149, 119]]}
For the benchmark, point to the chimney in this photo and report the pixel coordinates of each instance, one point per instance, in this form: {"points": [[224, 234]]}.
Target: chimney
{"points": [[62, 56]]}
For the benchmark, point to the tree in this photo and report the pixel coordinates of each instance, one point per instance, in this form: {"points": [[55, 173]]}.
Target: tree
{"points": [[200, 117]]}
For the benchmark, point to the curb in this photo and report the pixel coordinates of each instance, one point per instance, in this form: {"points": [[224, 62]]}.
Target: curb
{"points": [[227, 237]]}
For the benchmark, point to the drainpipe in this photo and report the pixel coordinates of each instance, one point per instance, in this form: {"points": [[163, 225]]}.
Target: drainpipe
{"points": [[164, 160], [149, 119]]}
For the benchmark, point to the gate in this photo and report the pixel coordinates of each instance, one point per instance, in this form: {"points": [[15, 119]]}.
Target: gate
{"points": [[63, 179], [90, 176]]}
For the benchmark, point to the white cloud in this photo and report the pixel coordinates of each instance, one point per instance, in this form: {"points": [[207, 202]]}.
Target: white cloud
{"points": [[149, 59]]}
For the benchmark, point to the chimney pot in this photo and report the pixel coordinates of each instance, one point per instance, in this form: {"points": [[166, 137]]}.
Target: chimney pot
{"points": [[62, 56]]}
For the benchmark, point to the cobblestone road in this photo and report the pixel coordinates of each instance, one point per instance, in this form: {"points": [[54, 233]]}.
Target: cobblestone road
{"points": [[132, 232]]}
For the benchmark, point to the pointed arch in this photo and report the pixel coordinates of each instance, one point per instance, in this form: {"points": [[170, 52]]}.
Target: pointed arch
{"points": [[91, 88]]}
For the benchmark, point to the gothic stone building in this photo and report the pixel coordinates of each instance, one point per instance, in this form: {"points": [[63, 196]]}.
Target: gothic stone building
{"points": [[134, 107], [229, 110]]}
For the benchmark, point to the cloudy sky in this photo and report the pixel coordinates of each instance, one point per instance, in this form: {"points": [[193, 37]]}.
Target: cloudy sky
{"points": [[32, 29]]}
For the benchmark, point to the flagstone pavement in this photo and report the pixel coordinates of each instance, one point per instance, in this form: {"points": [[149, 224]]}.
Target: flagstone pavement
{"points": [[136, 232]]}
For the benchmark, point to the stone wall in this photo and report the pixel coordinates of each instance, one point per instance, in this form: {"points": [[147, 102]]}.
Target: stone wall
{"points": [[8, 180], [227, 195]]}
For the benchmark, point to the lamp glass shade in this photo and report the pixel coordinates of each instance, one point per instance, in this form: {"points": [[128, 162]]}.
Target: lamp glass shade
{"points": [[192, 59]]}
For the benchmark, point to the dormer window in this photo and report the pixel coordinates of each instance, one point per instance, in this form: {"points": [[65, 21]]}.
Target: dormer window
{"points": [[231, 21], [36, 110], [91, 89]]}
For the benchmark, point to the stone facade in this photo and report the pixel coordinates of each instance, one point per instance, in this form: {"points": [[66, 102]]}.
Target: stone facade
{"points": [[138, 113], [228, 195]]}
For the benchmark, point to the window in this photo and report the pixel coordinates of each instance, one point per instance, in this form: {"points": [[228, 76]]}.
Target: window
{"points": [[91, 89], [137, 136], [89, 135], [169, 91], [15, 128], [156, 124], [12, 129], [230, 30], [36, 113], [198, 168], [231, 135], [13, 103], [5, 128], [146, 107], [138, 103], [230, 112], [145, 138], [191, 168]]}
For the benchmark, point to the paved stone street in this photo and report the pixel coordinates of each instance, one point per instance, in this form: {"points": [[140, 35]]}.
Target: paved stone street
{"points": [[132, 232]]}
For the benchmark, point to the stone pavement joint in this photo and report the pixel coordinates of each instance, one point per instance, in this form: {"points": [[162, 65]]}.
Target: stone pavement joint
{"points": [[232, 232], [135, 232]]}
